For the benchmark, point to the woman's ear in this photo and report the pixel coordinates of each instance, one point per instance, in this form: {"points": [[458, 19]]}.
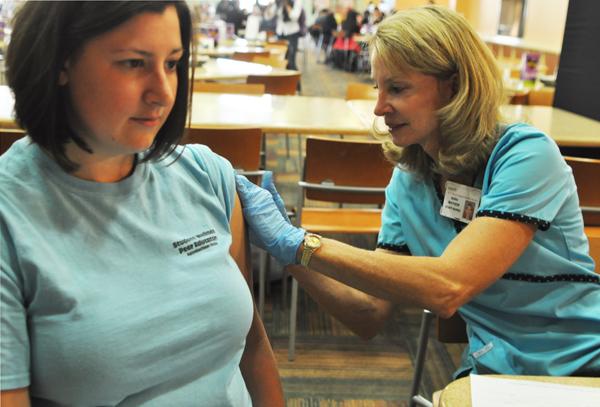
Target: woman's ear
{"points": [[63, 76], [454, 79], [449, 87]]}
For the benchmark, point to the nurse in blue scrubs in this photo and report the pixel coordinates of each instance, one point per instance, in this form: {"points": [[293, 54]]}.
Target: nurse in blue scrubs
{"points": [[518, 272]]}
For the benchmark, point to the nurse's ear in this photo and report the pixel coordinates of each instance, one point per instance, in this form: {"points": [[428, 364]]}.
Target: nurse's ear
{"points": [[454, 79], [449, 88], [63, 76]]}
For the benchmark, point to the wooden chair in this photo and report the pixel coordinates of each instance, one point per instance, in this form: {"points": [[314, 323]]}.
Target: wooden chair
{"points": [[550, 61], [541, 97], [223, 87], [450, 330], [241, 146], [8, 137], [248, 56], [275, 62], [339, 171], [586, 172], [357, 90], [277, 84]]}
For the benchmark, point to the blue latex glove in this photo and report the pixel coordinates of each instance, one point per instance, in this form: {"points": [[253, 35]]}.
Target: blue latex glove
{"points": [[267, 183], [269, 228]]}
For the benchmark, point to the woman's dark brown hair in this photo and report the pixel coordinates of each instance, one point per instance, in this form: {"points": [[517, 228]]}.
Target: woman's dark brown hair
{"points": [[45, 35]]}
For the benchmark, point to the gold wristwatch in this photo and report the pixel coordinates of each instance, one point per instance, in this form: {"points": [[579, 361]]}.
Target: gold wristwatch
{"points": [[311, 243]]}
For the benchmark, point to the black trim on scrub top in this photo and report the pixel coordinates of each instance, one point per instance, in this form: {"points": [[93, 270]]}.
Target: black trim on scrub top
{"points": [[541, 224], [398, 248], [572, 278]]}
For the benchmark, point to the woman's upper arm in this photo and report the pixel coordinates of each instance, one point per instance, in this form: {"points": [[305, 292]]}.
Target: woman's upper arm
{"points": [[526, 185], [239, 249], [15, 398], [484, 251]]}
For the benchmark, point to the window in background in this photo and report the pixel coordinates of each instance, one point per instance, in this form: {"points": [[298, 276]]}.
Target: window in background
{"points": [[512, 18]]}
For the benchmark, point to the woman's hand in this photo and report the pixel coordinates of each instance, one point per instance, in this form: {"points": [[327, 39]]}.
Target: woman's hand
{"points": [[270, 228]]}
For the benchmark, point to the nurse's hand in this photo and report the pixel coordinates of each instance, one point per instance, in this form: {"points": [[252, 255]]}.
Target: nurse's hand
{"points": [[270, 228], [267, 183]]}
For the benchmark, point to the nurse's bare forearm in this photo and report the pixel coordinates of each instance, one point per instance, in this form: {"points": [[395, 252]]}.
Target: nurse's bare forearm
{"points": [[364, 314], [472, 261]]}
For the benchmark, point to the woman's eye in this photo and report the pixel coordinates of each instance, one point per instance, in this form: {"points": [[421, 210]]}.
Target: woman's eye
{"points": [[172, 65], [133, 63], [396, 89]]}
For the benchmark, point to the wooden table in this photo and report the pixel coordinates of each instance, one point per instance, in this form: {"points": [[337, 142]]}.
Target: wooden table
{"points": [[277, 114], [566, 128], [227, 51], [217, 69], [228, 48], [458, 393], [272, 113]]}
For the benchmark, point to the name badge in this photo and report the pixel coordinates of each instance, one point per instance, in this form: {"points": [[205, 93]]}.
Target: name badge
{"points": [[460, 202]]}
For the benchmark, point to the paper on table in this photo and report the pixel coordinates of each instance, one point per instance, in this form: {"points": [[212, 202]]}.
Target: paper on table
{"points": [[496, 392]]}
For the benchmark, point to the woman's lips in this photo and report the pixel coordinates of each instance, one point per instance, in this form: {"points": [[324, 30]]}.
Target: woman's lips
{"points": [[147, 121], [394, 127]]}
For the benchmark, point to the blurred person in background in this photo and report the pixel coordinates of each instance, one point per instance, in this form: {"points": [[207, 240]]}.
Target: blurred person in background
{"points": [[289, 20]]}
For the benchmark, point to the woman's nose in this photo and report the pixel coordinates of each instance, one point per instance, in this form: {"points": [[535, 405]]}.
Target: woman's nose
{"points": [[161, 89], [382, 106]]}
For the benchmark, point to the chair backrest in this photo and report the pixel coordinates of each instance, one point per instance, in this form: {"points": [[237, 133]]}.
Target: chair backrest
{"points": [[275, 62], [8, 137], [248, 56], [277, 84], [587, 175], [357, 90], [220, 87], [541, 97], [346, 163], [551, 62], [241, 146]]}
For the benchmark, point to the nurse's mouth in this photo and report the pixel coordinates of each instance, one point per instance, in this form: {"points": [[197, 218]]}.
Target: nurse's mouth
{"points": [[394, 127]]}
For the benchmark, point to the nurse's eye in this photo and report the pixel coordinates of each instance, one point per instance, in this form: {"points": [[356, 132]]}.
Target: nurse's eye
{"points": [[396, 89]]}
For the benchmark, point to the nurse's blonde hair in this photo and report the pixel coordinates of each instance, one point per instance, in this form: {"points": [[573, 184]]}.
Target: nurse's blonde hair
{"points": [[437, 41]]}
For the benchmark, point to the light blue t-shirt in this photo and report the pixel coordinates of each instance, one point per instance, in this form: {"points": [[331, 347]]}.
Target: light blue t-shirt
{"points": [[543, 316], [121, 293]]}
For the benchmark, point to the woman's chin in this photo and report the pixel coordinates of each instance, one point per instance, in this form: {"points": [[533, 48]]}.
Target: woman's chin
{"points": [[399, 141]]}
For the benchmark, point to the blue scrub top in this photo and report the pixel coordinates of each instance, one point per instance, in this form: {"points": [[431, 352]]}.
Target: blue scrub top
{"points": [[543, 316]]}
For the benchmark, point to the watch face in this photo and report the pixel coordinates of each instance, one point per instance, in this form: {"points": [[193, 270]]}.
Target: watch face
{"points": [[312, 241]]}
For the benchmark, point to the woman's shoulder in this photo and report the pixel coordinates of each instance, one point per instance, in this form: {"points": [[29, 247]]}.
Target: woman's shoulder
{"points": [[200, 162], [18, 163], [522, 135], [402, 175], [201, 157], [519, 140], [404, 179]]}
